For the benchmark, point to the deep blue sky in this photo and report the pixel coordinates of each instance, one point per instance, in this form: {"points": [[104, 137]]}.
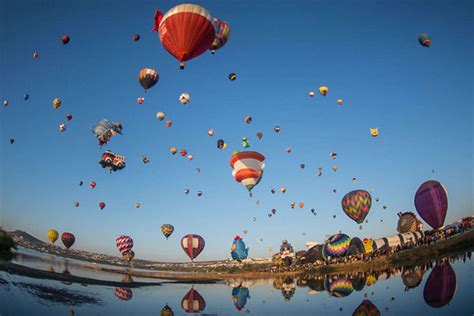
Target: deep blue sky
{"points": [[366, 52]]}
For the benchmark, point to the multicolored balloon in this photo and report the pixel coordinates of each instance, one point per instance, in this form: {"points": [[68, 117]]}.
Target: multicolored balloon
{"points": [[356, 204], [336, 246], [53, 235], [339, 287], [123, 294], [166, 311], [185, 31], [222, 35], [68, 240], [192, 245], [247, 168], [424, 39], [431, 202], [124, 244], [193, 302], [148, 77], [167, 229]]}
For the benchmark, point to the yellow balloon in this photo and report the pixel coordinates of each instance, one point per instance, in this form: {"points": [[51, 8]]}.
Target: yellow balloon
{"points": [[53, 235]]}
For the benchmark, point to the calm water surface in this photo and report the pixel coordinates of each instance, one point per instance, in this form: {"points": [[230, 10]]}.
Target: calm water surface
{"points": [[445, 289]]}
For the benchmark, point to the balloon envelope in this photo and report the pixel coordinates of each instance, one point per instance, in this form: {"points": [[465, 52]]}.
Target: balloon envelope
{"points": [[356, 204], [441, 285], [68, 240], [193, 302], [431, 202], [53, 235], [124, 244], [192, 245]]}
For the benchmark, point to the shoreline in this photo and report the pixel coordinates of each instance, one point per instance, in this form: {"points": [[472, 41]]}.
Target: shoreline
{"points": [[410, 257]]}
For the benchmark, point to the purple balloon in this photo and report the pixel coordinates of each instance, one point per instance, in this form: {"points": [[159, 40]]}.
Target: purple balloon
{"points": [[431, 202], [441, 285]]}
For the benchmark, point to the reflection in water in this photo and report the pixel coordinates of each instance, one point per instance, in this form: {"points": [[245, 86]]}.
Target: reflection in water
{"points": [[166, 311], [123, 294], [338, 287], [193, 302], [48, 294], [412, 277], [239, 297], [366, 308], [441, 285]]}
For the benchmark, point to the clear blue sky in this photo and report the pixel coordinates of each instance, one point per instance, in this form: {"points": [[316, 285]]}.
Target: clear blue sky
{"points": [[366, 52]]}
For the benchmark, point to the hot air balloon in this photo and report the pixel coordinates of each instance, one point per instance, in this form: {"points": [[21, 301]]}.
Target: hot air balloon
{"points": [[124, 244], [68, 117], [245, 142], [248, 119], [333, 155], [101, 205], [292, 204], [81, 183], [145, 159], [160, 116], [193, 302], [356, 246], [68, 240], [232, 76], [431, 202], [339, 101], [221, 144], [123, 294], [167, 230], [276, 129], [366, 308], [184, 98], [247, 168], [173, 150], [288, 149], [168, 123], [238, 249], [190, 157], [424, 39], [408, 223], [302, 166], [104, 130], [441, 285], [222, 35], [140, 100], [62, 127], [76, 204], [356, 204], [183, 152], [301, 204], [192, 245], [199, 193], [186, 31], [369, 245], [186, 191], [12, 141], [65, 39], [374, 132], [92, 184], [336, 246], [136, 37], [129, 256], [282, 189], [35, 55], [147, 78], [323, 90], [53, 235], [56, 103], [334, 168], [198, 170], [274, 211], [166, 311], [210, 132], [259, 135], [26, 97], [339, 287], [311, 93], [5, 103]]}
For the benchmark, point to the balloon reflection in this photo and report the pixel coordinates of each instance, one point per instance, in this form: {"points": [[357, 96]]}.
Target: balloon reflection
{"points": [[441, 285], [240, 295], [193, 302], [123, 294]]}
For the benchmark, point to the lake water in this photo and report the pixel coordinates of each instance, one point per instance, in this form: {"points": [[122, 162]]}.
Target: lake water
{"points": [[443, 289]]}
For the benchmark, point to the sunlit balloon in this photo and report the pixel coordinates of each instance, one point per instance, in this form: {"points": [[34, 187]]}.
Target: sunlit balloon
{"points": [[222, 35], [56, 103], [323, 90], [62, 127], [160, 116], [248, 119], [356, 204], [339, 101], [53, 235], [311, 93], [167, 230], [374, 132], [247, 168], [173, 150], [184, 98], [124, 244], [210, 132], [192, 245], [148, 78]]}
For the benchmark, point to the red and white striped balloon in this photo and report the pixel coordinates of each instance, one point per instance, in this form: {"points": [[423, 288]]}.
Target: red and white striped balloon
{"points": [[124, 244], [248, 168]]}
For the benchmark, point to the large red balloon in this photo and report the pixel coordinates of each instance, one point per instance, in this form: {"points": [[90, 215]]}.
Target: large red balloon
{"points": [[192, 245], [431, 202], [441, 285], [186, 31]]}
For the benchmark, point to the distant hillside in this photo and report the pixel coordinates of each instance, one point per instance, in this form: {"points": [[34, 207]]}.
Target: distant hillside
{"points": [[21, 235]]}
